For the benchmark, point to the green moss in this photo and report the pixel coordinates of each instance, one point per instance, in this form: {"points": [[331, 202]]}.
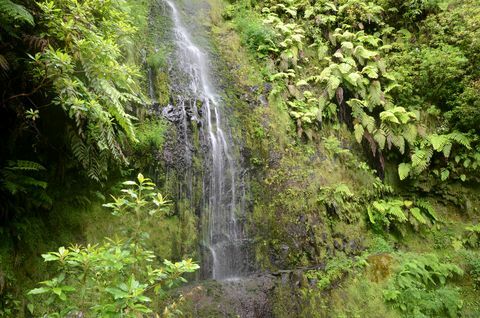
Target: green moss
{"points": [[162, 89]]}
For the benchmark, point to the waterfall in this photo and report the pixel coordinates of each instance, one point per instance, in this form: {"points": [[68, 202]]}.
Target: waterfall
{"points": [[222, 211]]}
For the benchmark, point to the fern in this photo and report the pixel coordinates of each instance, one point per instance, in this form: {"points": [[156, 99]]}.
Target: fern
{"points": [[19, 178], [24, 165], [419, 288], [397, 212], [4, 65], [428, 208], [404, 170], [438, 141], [418, 215], [421, 159], [10, 11], [92, 84], [460, 138]]}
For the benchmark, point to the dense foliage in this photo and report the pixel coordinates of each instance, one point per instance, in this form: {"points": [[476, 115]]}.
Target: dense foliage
{"points": [[396, 85], [376, 187], [69, 87], [359, 128], [71, 91], [113, 279]]}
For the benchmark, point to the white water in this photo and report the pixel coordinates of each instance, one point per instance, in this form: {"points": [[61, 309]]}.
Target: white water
{"points": [[223, 237]]}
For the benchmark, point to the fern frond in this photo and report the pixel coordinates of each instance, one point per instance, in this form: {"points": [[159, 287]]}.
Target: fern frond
{"points": [[427, 207], [410, 133], [418, 215], [11, 11], [460, 138], [421, 159], [397, 211], [4, 65], [399, 142], [24, 165], [438, 141]]}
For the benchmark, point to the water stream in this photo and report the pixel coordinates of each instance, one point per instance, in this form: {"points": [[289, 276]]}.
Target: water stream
{"points": [[197, 99]]}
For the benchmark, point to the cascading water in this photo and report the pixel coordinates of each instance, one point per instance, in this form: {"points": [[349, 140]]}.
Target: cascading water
{"points": [[223, 209]]}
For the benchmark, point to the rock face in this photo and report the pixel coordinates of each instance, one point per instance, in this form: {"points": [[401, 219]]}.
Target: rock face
{"points": [[249, 297], [204, 155]]}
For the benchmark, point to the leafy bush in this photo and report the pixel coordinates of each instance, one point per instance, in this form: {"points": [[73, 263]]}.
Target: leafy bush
{"points": [[107, 280], [255, 35], [117, 277], [472, 235], [473, 268], [411, 11], [396, 212], [419, 288], [87, 76], [335, 270]]}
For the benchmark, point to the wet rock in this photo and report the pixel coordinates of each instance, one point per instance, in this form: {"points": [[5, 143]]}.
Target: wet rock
{"points": [[263, 100], [267, 87], [245, 297], [337, 245], [253, 89], [324, 237], [172, 114]]}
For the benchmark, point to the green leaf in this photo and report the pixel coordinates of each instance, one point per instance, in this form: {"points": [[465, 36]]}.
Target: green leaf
{"points": [[362, 52], [438, 141], [57, 290], [37, 291], [301, 83], [332, 85], [116, 293], [388, 116], [427, 207], [370, 215], [353, 78], [338, 55], [359, 130], [375, 93], [12, 11], [68, 288], [371, 71], [418, 215], [368, 122], [308, 13], [344, 68], [404, 170], [444, 174], [50, 257], [397, 212], [347, 45], [62, 297], [380, 138]]}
